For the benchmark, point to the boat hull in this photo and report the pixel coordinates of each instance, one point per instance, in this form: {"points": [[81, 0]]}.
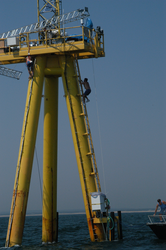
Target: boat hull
{"points": [[159, 229]]}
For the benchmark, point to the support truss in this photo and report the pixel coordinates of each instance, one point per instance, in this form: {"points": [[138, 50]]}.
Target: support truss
{"points": [[10, 72]]}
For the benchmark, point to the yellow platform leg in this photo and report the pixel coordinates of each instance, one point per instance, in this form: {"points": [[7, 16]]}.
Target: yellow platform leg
{"points": [[25, 158], [80, 141], [49, 220]]}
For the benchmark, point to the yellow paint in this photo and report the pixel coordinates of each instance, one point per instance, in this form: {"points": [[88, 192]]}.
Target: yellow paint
{"points": [[53, 71], [54, 58], [53, 67], [100, 220], [53, 61], [58, 47], [85, 168], [49, 220], [15, 235]]}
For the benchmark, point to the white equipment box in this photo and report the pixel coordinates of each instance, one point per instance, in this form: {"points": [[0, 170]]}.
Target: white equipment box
{"points": [[98, 201], [13, 41]]}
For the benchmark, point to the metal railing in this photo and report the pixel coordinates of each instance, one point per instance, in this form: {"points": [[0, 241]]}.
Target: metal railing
{"points": [[54, 21], [53, 37], [157, 218]]}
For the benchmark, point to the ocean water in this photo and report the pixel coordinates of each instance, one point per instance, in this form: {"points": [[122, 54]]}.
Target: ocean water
{"points": [[73, 234]]}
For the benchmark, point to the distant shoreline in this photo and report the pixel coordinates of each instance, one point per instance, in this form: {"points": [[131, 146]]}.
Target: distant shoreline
{"points": [[75, 213]]}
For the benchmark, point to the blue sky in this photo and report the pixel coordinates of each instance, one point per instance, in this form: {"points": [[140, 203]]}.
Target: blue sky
{"points": [[126, 110]]}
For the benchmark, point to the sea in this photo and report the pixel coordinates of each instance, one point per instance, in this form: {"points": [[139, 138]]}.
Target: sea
{"points": [[73, 234]]}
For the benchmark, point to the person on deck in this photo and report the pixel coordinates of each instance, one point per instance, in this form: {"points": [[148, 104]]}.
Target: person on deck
{"points": [[162, 205], [87, 89]]}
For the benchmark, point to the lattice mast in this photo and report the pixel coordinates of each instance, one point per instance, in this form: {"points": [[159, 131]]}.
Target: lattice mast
{"points": [[54, 7]]}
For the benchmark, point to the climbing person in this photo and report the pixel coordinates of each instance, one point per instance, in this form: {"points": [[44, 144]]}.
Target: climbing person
{"points": [[29, 63], [87, 89], [162, 205]]}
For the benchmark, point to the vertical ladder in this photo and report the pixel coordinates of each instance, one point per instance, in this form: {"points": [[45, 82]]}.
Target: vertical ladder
{"points": [[88, 133], [80, 155], [19, 163], [89, 136]]}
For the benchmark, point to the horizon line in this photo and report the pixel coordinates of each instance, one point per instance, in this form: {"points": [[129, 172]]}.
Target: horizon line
{"points": [[72, 213]]}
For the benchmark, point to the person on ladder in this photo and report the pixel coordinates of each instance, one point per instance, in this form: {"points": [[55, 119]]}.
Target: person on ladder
{"points": [[29, 63], [87, 89]]}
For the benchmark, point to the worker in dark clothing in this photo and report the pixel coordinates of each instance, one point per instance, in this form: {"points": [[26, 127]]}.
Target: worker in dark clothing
{"points": [[29, 63], [87, 89]]}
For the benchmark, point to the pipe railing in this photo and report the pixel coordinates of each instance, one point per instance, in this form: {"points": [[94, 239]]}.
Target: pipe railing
{"points": [[157, 218], [53, 37]]}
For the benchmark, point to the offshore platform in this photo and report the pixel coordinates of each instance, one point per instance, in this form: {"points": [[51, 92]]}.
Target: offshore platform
{"points": [[55, 55]]}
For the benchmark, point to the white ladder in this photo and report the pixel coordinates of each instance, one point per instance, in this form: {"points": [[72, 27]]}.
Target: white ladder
{"points": [[54, 21], [88, 133]]}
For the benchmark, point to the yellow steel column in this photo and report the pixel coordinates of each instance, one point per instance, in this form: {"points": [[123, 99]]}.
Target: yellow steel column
{"points": [[80, 140], [49, 221], [25, 158]]}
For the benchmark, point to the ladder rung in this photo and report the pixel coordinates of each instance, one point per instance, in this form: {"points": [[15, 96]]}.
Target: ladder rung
{"points": [[93, 173], [86, 133], [82, 114], [78, 95], [89, 153]]}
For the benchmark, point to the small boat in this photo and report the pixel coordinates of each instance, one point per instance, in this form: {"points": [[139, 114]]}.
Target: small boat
{"points": [[158, 226]]}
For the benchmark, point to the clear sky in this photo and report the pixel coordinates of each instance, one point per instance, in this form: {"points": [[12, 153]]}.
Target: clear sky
{"points": [[127, 109]]}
